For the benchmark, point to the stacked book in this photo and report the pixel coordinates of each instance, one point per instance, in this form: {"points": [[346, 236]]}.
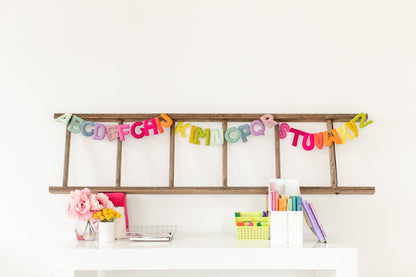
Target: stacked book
{"points": [[313, 221]]}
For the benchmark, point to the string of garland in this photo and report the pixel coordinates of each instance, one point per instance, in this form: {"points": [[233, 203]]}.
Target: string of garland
{"points": [[98, 131]]}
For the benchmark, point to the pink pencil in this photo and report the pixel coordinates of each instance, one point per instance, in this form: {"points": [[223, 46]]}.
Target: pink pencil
{"points": [[272, 196]]}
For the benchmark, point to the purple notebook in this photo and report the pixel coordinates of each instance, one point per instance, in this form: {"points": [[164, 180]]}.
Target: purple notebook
{"points": [[318, 221], [313, 221]]}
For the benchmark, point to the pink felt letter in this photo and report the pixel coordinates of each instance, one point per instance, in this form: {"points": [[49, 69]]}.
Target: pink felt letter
{"points": [[268, 120], [311, 142], [284, 128], [147, 126], [296, 136], [133, 130], [121, 132], [112, 132]]}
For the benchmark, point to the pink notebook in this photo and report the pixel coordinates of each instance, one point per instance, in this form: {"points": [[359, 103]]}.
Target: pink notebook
{"points": [[119, 200]]}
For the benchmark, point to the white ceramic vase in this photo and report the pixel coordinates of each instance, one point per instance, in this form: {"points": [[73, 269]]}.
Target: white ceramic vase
{"points": [[106, 231]]}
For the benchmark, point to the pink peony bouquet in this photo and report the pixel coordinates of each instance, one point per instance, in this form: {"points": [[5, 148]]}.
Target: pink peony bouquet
{"points": [[83, 204]]}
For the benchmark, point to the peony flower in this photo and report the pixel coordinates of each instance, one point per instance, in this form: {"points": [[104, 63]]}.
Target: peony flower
{"points": [[104, 201], [79, 205], [82, 204]]}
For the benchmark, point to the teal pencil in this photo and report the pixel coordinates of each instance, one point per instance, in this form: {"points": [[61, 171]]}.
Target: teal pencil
{"points": [[294, 202]]}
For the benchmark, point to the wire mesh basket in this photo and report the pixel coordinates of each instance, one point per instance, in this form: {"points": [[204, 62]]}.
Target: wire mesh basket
{"points": [[151, 232], [252, 232]]}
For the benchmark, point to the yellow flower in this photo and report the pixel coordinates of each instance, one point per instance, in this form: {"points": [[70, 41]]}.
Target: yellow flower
{"points": [[95, 216], [102, 218], [100, 213], [118, 215], [105, 210], [108, 217], [110, 210]]}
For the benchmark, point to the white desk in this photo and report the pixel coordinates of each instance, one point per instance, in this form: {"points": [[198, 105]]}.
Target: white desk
{"points": [[203, 252]]}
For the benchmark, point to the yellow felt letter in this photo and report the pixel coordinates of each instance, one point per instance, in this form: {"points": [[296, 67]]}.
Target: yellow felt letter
{"points": [[180, 128], [344, 134]]}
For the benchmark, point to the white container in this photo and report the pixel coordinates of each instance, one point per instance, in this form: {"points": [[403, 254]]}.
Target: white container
{"points": [[295, 227], [106, 231], [278, 227], [120, 223]]}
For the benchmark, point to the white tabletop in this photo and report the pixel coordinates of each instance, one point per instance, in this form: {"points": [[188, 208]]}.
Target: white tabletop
{"points": [[192, 240], [204, 252]]}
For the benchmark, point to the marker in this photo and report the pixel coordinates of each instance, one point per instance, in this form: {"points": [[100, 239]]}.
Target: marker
{"points": [[284, 204], [289, 204], [276, 200], [294, 203], [237, 214], [299, 204]]}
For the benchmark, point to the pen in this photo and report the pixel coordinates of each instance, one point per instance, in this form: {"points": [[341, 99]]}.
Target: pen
{"points": [[294, 203]]}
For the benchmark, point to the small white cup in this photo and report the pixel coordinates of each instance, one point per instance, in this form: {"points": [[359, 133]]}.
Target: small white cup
{"points": [[106, 231]]}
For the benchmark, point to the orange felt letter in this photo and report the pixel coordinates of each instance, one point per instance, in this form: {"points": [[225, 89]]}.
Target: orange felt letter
{"points": [[168, 121], [329, 140], [319, 140]]}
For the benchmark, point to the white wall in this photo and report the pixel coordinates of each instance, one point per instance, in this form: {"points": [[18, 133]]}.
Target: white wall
{"points": [[209, 56]]}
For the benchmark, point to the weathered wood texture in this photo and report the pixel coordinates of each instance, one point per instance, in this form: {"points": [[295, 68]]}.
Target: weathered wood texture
{"points": [[332, 158], [225, 188], [119, 154], [216, 117], [214, 190], [224, 158], [172, 155]]}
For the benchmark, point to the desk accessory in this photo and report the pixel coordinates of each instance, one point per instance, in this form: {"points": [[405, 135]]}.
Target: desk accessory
{"points": [[313, 221], [252, 225], [286, 219], [156, 233]]}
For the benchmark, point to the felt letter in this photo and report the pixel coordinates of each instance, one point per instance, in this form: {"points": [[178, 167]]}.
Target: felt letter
{"points": [[191, 137], [148, 126], [245, 131], [168, 121], [97, 128], [319, 140], [329, 140], [112, 132], [228, 134], [180, 128], [344, 134], [217, 136], [363, 117], [351, 125], [253, 131], [268, 120], [64, 119], [284, 128], [133, 130], [159, 127], [311, 142], [84, 132], [75, 124], [202, 134], [296, 133], [121, 132]]}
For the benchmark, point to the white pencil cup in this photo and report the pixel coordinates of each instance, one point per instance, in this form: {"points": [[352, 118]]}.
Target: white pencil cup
{"points": [[295, 227], [106, 231], [278, 227]]}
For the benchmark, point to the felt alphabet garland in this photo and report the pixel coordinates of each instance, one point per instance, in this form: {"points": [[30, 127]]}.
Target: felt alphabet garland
{"points": [[156, 125]]}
